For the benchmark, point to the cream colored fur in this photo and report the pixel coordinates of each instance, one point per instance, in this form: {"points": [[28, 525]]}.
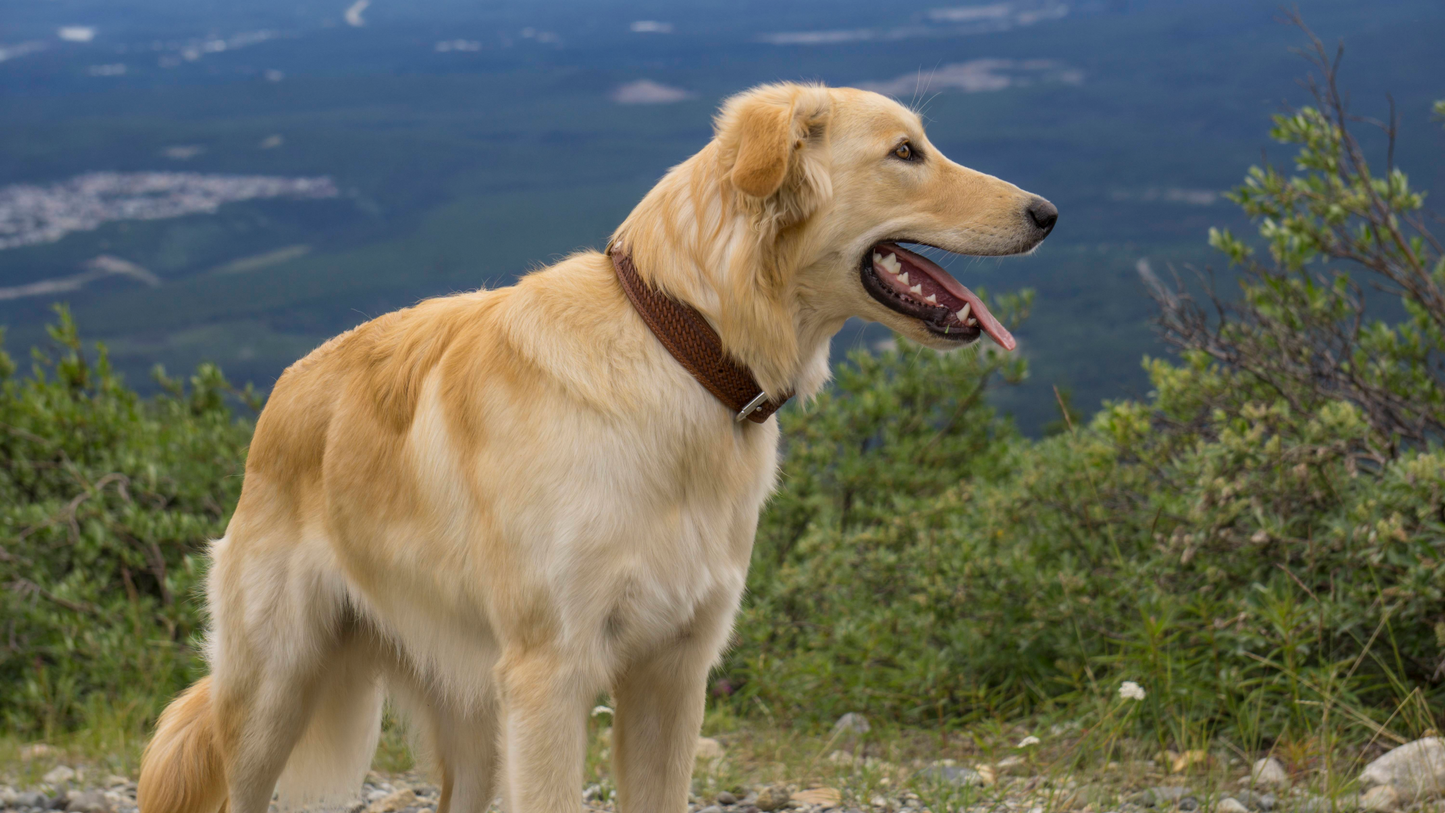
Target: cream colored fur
{"points": [[498, 504]]}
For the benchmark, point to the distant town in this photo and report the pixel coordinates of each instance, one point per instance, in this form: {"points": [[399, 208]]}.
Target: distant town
{"points": [[31, 214]]}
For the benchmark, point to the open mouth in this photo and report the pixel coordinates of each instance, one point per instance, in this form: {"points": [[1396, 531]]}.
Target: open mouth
{"points": [[916, 286]]}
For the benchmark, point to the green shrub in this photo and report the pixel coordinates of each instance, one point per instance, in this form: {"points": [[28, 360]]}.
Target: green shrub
{"points": [[106, 503]]}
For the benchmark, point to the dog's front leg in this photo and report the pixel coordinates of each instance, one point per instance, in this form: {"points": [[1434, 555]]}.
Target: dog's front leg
{"points": [[544, 701], [659, 712], [659, 708]]}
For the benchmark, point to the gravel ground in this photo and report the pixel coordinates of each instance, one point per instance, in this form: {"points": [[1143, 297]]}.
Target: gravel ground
{"points": [[1008, 786], [413, 793]]}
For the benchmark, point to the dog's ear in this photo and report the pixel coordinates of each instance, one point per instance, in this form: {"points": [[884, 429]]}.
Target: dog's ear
{"points": [[765, 140], [764, 134]]}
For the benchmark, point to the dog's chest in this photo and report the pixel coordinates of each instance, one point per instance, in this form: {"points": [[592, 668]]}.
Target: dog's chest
{"points": [[666, 532]]}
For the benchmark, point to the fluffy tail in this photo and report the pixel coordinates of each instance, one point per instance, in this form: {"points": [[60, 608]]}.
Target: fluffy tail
{"points": [[181, 770]]}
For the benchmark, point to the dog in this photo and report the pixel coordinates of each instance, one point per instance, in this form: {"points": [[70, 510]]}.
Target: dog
{"points": [[494, 506]]}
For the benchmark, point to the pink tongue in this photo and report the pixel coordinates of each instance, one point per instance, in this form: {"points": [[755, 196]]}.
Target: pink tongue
{"points": [[986, 320]]}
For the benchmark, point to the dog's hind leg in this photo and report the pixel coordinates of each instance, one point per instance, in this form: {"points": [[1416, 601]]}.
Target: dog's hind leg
{"points": [[284, 646], [329, 762], [461, 740]]}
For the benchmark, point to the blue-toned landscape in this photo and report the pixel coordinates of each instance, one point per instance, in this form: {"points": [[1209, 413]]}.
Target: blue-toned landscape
{"points": [[461, 144]]}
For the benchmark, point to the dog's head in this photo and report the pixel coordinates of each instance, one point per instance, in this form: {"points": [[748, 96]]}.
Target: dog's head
{"points": [[797, 210]]}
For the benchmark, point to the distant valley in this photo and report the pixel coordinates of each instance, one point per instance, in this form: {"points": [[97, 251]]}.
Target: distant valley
{"points": [[237, 184]]}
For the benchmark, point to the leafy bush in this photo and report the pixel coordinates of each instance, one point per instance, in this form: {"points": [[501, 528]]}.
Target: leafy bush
{"points": [[1261, 543], [106, 503]]}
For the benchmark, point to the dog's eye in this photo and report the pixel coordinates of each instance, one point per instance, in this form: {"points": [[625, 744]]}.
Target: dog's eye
{"points": [[904, 151]]}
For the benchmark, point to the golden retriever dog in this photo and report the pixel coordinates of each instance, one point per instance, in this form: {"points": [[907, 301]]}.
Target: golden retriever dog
{"points": [[495, 506]]}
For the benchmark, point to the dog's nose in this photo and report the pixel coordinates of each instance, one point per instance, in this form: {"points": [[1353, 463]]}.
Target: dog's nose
{"points": [[1043, 214]]}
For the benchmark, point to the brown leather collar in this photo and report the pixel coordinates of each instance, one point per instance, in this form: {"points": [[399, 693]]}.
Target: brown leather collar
{"points": [[695, 345]]}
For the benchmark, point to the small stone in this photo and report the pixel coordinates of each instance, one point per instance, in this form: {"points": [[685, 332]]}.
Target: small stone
{"points": [[954, 775], [90, 802], [1156, 796], [1381, 799], [1248, 798], [58, 775], [851, 723], [709, 748], [1230, 805], [822, 797], [116, 780], [1416, 769], [1188, 760], [35, 751], [8, 796], [711, 809], [1317, 804], [1188, 804], [773, 797], [394, 802], [724, 798], [31, 798], [1012, 766], [1268, 773]]}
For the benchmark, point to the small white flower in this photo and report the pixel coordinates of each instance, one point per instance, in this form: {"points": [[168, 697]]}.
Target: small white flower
{"points": [[1131, 691], [601, 710], [1028, 741]]}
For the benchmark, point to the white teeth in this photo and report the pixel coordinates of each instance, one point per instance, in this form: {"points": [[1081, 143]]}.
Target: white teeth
{"points": [[877, 258], [931, 299], [963, 314], [973, 322], [917, 289], [903, 278], [890, 262]]}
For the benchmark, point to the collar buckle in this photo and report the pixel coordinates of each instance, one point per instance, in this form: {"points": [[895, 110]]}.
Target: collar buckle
{"points": [[750, 407]]}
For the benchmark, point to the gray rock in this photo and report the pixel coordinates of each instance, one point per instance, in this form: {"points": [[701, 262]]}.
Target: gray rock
{"points": [[1012, 766], [773, 797], [711, 809], [1416, 769], [1318, 804], [58, 775], [851, 723], [89, 802], [1188, 804], [953, 775], [724, 798], [1381, 799], [30, 798], [1268, 773], [1162, 796], [1230, 805], [1255, 801]]}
